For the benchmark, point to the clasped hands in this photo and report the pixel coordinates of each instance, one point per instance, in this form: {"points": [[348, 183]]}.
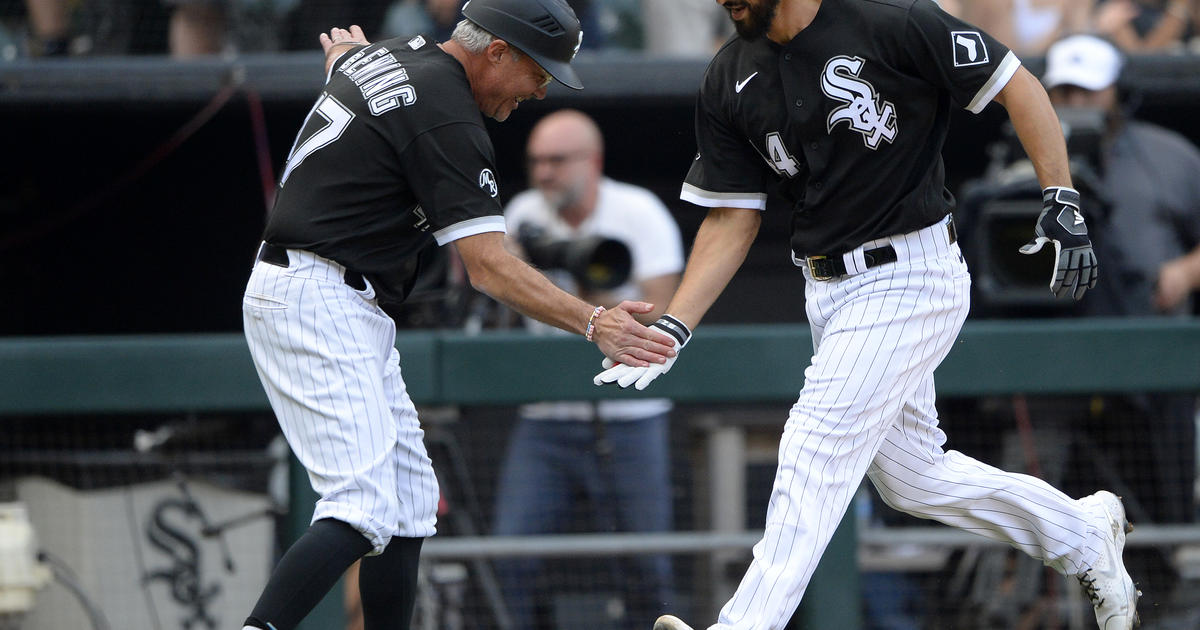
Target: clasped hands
{"points": [[640, 377]]}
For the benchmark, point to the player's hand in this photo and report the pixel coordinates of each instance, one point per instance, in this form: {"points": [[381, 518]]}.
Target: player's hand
{"points": [[640, 377], [623, 339], [338, 37], [1075, 268]]}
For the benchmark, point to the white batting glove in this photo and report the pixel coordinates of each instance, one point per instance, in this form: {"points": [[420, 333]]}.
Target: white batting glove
{"points": [[640, 377]]}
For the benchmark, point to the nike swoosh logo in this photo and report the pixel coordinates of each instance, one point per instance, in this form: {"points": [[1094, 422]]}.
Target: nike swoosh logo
{"points": [[1078, 218], [737, 87]]}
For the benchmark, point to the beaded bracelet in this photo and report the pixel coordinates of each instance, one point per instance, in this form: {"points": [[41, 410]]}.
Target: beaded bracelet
{"points": [[591, 325]]}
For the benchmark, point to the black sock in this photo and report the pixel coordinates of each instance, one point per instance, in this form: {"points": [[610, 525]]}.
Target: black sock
{"points": [[388, 585], [306, 573]]}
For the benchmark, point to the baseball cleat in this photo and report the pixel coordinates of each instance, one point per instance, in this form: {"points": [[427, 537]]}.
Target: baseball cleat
{"points": [[1106, 582], [669, 622]]}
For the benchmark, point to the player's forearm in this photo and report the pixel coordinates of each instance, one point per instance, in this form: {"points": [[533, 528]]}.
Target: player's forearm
{"points": [[718, 252], [1037, 127], [658, 291], [509, 280]]}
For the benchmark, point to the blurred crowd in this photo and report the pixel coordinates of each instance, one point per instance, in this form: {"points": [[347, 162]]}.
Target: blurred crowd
{"points": [[189, 28]]}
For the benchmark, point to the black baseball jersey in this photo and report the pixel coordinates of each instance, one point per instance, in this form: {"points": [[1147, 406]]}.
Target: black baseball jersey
{"points": [[846, 121], [393, 155]]}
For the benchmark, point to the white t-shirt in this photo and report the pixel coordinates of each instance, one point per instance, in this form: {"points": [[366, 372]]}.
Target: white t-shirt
{"points": [[624, 212]]}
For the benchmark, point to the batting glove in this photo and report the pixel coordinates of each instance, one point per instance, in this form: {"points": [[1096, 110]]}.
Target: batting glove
{"points": [[640, 377], [1075, 268]]}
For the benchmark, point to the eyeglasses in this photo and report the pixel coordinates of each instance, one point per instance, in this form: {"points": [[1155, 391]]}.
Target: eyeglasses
{"points": [[540, 74], [555, 160]]}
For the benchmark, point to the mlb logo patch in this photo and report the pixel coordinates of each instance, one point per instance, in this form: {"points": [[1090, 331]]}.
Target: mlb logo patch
{"points": [[969, 49]]}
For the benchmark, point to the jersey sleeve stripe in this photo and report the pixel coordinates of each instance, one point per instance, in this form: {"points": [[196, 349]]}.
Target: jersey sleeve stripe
{"points": [[709, 199], [1008, 66], [470, 227]]}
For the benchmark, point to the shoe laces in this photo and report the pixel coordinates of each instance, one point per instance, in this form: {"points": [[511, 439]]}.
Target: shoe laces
{"points": [[1089, 587]]}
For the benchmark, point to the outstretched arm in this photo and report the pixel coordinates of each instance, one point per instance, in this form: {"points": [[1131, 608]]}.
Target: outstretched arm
{"points": [[1061, 223], [506, 278], [719, 250]]}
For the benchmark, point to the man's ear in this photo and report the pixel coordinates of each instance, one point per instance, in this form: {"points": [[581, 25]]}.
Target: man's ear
{"points": [[496, 50]]}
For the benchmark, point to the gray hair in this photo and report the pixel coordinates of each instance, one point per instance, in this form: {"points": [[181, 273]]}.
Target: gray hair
{"points": [[475, 39]]}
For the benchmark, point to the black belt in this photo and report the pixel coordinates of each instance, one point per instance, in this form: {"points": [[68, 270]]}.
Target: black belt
{"points": [[278, 256], [830, 267]]}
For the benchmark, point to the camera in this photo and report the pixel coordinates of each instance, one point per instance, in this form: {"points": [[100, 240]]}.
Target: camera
{"points": [[596, 262]]}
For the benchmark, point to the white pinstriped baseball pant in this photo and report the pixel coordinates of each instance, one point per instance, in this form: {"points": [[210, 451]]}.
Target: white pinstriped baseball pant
{"points": [[326, 356], [867, 407]]}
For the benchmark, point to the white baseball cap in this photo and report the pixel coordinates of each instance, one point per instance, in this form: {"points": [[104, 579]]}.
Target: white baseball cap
{"points": [[1083, 60]]}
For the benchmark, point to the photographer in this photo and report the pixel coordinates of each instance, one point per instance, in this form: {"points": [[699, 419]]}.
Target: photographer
{"points": [[613, 452]]}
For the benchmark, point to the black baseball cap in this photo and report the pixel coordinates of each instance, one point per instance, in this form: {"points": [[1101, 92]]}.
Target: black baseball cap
{"points": [[546, 30]]}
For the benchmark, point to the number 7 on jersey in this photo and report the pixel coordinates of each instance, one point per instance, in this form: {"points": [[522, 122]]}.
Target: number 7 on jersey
{"points": [[337, 117]]}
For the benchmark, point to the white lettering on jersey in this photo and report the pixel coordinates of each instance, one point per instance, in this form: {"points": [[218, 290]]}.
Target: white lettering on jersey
{"points": [[381, 79], [383, 82], [969, 48], [875, 119], [337, 118], [392, 99], [364, 65], [780, 158], [487, 181]]}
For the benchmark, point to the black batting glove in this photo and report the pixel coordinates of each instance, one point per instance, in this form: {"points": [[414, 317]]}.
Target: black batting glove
{"points": [[1075, 268]]}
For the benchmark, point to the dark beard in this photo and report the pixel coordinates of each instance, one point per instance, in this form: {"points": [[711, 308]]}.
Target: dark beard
{"points": [[758, 20]]}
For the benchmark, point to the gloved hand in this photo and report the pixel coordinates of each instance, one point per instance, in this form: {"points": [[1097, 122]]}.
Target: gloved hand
{"points": [[640, 377], [1075, 268]]}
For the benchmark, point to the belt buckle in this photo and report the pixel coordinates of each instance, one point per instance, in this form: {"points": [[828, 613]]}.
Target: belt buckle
{"points": [[813, 262]]}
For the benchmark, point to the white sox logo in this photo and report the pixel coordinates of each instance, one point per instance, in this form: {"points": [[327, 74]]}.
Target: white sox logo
{"points": [[969, 48], [875, 119]]}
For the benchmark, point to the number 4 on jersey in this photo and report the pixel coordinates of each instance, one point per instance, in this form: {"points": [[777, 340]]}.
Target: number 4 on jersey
{"points": [[780, 159], [337, 117]]}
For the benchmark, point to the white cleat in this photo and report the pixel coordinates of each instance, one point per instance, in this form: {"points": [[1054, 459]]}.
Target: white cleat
{"points": [[668, 622], [1107, 583]]}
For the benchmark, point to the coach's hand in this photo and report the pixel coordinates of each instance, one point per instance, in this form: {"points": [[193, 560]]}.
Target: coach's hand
{"points": [[1075, 268], [340, 37], [640, 377], [624, 340]]}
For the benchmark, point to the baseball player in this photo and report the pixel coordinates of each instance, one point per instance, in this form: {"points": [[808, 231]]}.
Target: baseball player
{"points": [[394, 156], [842, 107]]}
